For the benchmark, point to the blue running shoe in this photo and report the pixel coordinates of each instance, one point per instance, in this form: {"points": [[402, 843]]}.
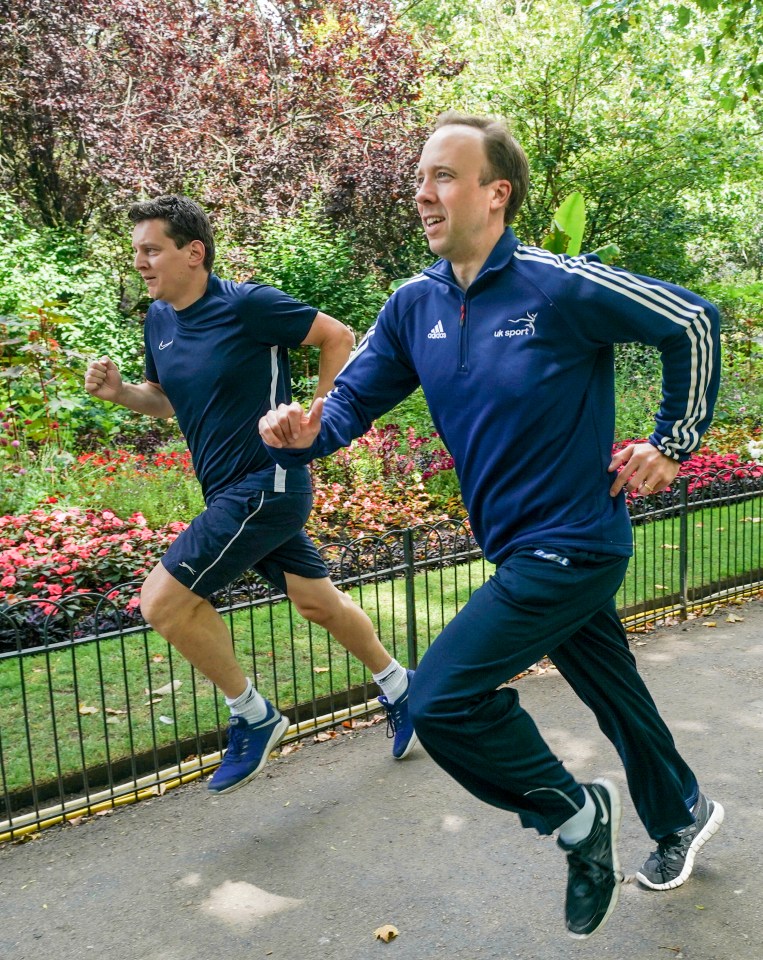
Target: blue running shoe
{"points": [[249, 746], [399, 724]]}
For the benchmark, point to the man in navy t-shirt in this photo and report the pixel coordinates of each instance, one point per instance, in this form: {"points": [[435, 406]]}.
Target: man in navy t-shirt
{"points": [[217, 358]]}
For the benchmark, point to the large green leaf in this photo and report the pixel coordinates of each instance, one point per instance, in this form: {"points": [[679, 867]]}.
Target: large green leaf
{"points": [[570, 219], [566, 232]]}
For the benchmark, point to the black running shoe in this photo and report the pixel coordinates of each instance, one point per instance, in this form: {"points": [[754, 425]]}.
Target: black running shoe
{"points": [[672, 862], [594, 878]]}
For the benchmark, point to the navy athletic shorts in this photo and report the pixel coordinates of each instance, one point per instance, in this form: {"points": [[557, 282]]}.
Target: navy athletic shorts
{"points": [[244, 529]]}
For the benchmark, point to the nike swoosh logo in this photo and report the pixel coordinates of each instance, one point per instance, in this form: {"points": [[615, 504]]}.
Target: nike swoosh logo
{"points": [[163, 345]]}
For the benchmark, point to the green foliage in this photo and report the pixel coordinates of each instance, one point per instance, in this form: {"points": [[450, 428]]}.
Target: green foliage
{"points": [[59, 293], [74, 274], [161, 487], [637, 390], [313, 261], [565, 234], [410, 415], [740, 397], [741, 306], [160, 496], [36, 376], [727, 33], [623, 126], [29, 475]]}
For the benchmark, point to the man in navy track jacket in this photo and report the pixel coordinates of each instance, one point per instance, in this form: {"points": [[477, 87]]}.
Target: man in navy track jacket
{"points": [[514, 349]]}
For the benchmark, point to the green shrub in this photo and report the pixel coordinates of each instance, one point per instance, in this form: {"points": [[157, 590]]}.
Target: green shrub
{"points": [[312, 260], [59, 302], [412, 414]]}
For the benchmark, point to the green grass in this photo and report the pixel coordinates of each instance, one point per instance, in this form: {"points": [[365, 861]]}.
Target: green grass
{"points": [[114, 674], [723, 542]]}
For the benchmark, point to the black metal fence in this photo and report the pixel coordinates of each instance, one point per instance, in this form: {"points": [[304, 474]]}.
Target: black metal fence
{"points": [[96, 710]]}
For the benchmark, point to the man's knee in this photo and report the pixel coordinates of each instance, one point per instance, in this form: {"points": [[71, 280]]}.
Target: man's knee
{"points": [[151, 605], [163, 600], [320, 603]]}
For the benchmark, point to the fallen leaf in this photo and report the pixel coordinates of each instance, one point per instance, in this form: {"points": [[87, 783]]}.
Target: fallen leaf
{"points": [[733, 618], [113, 720], [164, 719], [320, 669], [290, 748], [149, 703], [324, 735], [157, 658], [386, 933], [364, 724], [85, 710], [167, 688], [671, 546], [113, 713], [709, 623]]}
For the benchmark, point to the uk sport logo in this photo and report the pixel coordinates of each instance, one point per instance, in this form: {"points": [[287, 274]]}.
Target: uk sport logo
{"points": [[524, 327], [437, 332]]}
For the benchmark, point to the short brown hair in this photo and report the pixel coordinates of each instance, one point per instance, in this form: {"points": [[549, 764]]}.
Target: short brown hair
{"points": [[184, 221], [506, 160]]}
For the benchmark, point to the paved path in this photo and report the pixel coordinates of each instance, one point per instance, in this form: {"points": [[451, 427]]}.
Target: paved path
{"points": [[336, 840]]}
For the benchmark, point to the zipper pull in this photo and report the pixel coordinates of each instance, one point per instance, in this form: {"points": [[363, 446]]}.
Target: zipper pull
{"points": [[462, 318]]}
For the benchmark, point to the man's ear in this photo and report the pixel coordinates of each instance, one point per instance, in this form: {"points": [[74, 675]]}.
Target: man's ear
{"points": [[501, 194], [196, 253]]}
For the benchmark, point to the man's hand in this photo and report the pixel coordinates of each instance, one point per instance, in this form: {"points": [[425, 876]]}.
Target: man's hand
{"points": [[103, 380], [644, 469], [289, 427]]}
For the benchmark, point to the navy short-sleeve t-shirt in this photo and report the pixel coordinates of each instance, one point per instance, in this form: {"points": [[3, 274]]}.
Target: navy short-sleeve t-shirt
{"points": [[223, 363]]}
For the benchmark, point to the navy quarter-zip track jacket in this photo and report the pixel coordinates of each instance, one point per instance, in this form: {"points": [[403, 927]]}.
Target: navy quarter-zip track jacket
{"points": [[518, 372]]}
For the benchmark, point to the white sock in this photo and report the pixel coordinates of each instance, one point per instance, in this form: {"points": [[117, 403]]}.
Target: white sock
{"points": [[580, 824], [250, 705], [393, 681]]}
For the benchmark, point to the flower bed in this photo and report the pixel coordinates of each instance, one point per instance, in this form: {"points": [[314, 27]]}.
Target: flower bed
{"points": [[379, 484], [48, 554]]}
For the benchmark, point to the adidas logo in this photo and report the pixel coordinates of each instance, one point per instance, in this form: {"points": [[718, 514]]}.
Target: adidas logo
{"points": [[437, 332]]}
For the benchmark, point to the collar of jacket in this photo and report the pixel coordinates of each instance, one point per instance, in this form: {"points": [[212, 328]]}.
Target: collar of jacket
{"points": [[499, 259]]}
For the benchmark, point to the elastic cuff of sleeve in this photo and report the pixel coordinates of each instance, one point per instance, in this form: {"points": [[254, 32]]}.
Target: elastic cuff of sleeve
{"points": [[676, 455]]}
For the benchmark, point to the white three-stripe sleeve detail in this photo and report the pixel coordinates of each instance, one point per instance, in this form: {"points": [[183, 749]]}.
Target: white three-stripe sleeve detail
{"points": [[696, 323]]}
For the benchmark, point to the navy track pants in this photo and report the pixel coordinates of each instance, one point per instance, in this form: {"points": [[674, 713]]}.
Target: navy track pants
{"points": [[541, 601]]}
